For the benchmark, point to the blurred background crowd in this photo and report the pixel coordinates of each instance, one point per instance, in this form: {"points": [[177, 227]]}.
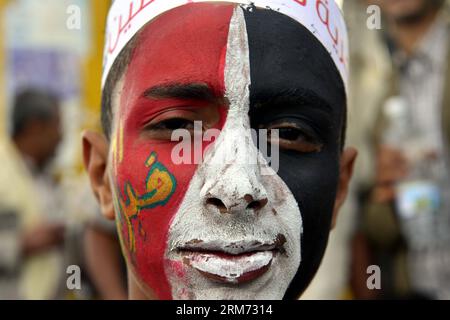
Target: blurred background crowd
{"points": [[396, 218]]}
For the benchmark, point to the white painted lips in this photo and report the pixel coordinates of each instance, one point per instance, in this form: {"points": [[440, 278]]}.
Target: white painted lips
{"points": [[231, 263], [231, 269]]}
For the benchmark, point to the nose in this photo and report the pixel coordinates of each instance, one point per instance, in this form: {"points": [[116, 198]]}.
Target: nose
{"points": [[235, 189], [248, 203], [233, 183]]}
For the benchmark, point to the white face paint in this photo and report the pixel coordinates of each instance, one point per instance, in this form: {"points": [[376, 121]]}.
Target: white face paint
{"points": [[247, 245]]}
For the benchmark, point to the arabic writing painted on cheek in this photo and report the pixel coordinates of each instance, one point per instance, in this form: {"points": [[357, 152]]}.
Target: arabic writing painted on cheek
{"points": [[160, 185]]}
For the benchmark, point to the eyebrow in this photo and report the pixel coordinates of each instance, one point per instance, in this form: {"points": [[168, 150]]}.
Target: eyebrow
{"points": [[185, 91], [297, 96]]}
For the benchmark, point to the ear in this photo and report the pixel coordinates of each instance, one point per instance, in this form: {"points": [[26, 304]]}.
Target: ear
{"points": [[347, 163], [95, 156]]}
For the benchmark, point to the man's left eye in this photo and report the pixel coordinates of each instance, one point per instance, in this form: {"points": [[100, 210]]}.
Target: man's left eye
{"points": [[290, 134], [291, 137]]}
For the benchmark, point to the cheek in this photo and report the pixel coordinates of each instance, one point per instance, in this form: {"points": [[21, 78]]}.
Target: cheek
{"points": [[149, 189], [314, 187]]}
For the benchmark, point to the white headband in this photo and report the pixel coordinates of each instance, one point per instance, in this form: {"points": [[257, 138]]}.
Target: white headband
{"points": [[322, 17]]}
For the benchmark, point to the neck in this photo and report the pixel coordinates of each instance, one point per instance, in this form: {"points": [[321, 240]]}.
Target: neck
{"points": [[408, 35]]}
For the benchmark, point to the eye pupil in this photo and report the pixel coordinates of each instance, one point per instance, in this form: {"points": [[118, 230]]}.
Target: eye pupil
{"points": [[177, 123], [291, 137], [288, 133]]}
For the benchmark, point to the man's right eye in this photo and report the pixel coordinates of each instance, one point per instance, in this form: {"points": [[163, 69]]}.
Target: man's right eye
{"points": [[164, 129], [172, 124]]}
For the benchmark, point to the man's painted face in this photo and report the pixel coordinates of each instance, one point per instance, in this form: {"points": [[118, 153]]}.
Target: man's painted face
{"points": [[221, 229]]}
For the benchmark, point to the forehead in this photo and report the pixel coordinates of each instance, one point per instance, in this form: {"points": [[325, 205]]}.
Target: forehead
{"points": [[284, 55], [189, 44]]}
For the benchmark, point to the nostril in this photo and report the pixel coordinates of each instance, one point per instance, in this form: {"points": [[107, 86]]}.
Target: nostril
{"points": [[218, 204], [254, 205], [257, 205]]}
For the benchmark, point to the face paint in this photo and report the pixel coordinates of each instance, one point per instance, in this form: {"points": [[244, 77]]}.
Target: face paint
{"points": [[251, 248], [184, 46], [222, 230], [295, 82]]}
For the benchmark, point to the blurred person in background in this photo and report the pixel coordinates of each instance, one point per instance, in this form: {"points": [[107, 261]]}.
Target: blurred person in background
{"points": [[369, 71], [38, 230], [404, 228]]}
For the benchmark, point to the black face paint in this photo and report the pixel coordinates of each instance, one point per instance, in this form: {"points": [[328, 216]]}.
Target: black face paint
{"points": [[295, 80]]}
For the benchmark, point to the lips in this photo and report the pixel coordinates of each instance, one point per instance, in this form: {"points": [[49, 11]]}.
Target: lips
{"points": [[232, 269], [231, 263]]}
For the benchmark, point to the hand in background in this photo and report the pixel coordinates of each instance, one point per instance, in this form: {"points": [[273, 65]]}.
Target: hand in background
{"points": [[42, 238], [391, 167]]}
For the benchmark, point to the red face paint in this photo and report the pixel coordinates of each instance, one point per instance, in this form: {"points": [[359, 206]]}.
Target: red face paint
{"points": [[186, 45]]}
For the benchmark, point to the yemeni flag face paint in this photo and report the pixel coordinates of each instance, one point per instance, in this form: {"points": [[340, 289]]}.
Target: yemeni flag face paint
{"points": [[224, 229]]}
